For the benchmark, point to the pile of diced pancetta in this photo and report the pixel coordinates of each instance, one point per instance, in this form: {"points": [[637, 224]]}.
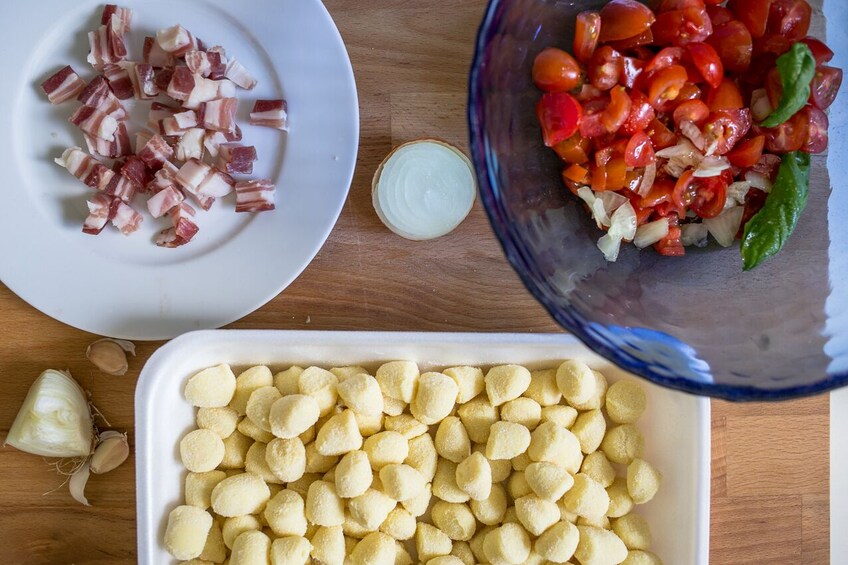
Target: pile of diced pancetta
{"points": [[190, 146]]}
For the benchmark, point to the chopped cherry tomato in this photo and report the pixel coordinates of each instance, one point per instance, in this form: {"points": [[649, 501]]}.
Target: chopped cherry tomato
{"points": [[747, 153], [575, 149], [555, 70], [586, 33], [726, 128], [671, 5], [704, 196], [632, 68], [605, 68], [694, 111], [821, 52], [588, 92], [719, 15], [660, 192], [642, 53], [788, 136], [755, 199], [753, 13], [726, 97], [644, 38], [621, 19], [790, 18], [642, 214], [670, 245], [618, 111], [591, 125], [665, 85], [825, 86], [639, 152], [641, 114], [611, 176], [576, 173], [772, 43], [732, 41], [707, 62], [660, 135], [559, 114], [667, 57], [688, 92], [679, 27], [818, 124]]}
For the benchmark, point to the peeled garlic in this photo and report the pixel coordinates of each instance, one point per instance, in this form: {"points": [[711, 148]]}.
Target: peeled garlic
{"points": [[112, 450], [110, 355]]}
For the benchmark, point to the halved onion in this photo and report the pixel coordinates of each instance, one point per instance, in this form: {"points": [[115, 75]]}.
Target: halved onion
{"points": [[424, 189]]}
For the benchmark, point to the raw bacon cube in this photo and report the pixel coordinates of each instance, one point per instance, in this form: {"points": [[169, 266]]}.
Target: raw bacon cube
{"points": [[100, 211], [270, 113], [255, 196], [155, 153], [63, 86], [95, 123], [235, 158]]}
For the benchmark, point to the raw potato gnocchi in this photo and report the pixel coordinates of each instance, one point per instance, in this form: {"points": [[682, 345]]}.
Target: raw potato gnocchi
{"points": [[464, 466]]}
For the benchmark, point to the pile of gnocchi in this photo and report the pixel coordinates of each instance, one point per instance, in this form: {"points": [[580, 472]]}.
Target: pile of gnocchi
{"points": [[459, 467]]}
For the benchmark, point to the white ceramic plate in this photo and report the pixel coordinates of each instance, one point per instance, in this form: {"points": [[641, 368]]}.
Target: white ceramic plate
{"points": [[676, 426], [126, 286]]}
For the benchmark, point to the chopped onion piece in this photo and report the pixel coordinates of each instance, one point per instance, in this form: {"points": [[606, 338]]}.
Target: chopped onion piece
{"points": [[680, 157], [694, 134], [736, 193], [712, 167], [612, 200], [694, 234], [648, 180], [724, 226], [424, 189], [650, 233], [760, 105], [622, 227], [758, 180]]}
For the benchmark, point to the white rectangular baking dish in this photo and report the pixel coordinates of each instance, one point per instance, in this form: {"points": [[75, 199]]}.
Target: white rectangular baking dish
{"points": [[676, 426]]}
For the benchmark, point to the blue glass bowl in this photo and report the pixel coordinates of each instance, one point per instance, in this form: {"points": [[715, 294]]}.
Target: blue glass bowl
{"points": [[697, 323]]}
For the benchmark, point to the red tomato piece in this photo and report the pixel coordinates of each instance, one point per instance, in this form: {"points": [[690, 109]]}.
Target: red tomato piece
{"points": [[704, 196], [707, 62], [576, 173], [726, 128], [671, 5], [747, 153], [732, 41], [554, 70], [605, 68], [574, 150], [817, 136], [644, 38], [726, 97], [586, 33], [642, 214], [660, 192], [665, 85], [821, 52], [825, 86], [559, 115], [641, 114], [719, 15], [788, 136], [753, 13], [631, 69], [611, 176], [618, 110], [694, 111], [588, 92], [661, 136], [790, 19], [754, 202], [621, 19], [670, 245], [688, 92], [712, 3], [639, 152], [679, 27], [591, 125], [772, 43], [667, 57]]}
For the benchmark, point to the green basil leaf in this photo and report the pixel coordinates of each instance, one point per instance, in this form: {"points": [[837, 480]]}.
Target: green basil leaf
{"points": [[797, 68], [768, 231]]}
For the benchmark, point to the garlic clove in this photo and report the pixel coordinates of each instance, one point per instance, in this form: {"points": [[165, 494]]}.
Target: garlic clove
{"points": [[110, 453], [110, 355], [77, 483]]}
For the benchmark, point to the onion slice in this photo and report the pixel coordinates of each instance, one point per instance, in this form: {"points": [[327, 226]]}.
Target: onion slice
{"points": [[424, 189]]}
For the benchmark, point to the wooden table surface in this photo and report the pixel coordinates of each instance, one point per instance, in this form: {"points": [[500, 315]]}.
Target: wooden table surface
{"points": [[770, 462]]}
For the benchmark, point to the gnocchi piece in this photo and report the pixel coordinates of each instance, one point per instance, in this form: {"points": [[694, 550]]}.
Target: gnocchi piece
{"points": [[469, 381], [316, 462], [444, 483], [324, 507], [259, 406], [392, 407], [505, 383], [522, 411], [597, 466], [369, 425], [507, 544], [186, 532], [626, 401], [501, 468], [536, 514], [633, 530], [290, 550], [399, 524], [435, 398], [251, 548], [517, 486], [398, 380], [328, 545], [247, 382], [353, 475], [586, 498], [590, 428], [293, 415], [462, 551], [222, 420], [245, 493], [255, 463], [214, 549], [445, 560], [301, 486], [507, 440], [401, 482], [339, 435], [564, 416], [254, 432], [287, 381], [597, 400], [643, 481], [474, 476], [476, 544], [597, 521], [401, 555], [376, 548], [521, 462], [576, 382], [620, 501], [386, 448], [344, 373], [201, 451], [361, 393], [353, 529], [406, 425], [211, 388], [418, 505], [477, 415], [598, 546], [548, 480], [285, 514], [543, 388], [452, 441], [456, 520], [286, 458], [322, 385], [235, 526], [551, 442], [371, 508], [431, 542], [558, 542], [639, 557], [491, 511], [511, 516], [623, 444], [198, 488]]}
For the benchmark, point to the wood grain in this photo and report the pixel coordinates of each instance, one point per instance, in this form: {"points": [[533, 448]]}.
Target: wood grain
{"points": [[770, 462]]}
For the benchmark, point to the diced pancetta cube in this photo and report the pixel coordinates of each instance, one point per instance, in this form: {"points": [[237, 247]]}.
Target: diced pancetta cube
{"points": [[126, 219], [99, 213], [270, 113], [220, 115], [217, 184], [182, 217], [86, 168], [164, 177], [97, 94], [159, 112], [95, 123], [99, 52], [190, 145], [164, 201], [153, 54], [212, 141], [182, 84], [155, 153], [162, 78], [124, 22], [176, 40], [63, 85], [119, 147], [186, 120], [235, 158], [192, 174], [135, 170], [255, 196], [117, 47], [219, 70], [234, 136], [226, 88], [204, 90], [119, 80], [142, 75], [237, 73], [121, 187], [208, 64]]}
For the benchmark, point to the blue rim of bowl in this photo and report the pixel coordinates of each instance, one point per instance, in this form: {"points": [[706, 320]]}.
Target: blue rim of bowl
{"points": [[517, 254]]}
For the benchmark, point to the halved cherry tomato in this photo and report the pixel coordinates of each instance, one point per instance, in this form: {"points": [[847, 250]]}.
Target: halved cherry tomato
{"points": [[688, 92], [790, 18], [821, 52], [618, 111], [817, 136], [641, 114], [555, 70], [670, 245], [753, 13], [772, 43], [825, 86], [707, 62], [732, 41], [755, 199], [621, 19], [667, 57], [791, 135], [726, 128], [591, 125], [588, 92], [660, 135], [660, 192], [719, 15], [611, 176], [639, 152], [679, 27], [605, 68], [644, 38], [694, 111], [586, 33], [559, 115], [576, 173], [726, 97], [747, 153], [704, 196], [574, 150], [631, 70], [665, 85]]}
